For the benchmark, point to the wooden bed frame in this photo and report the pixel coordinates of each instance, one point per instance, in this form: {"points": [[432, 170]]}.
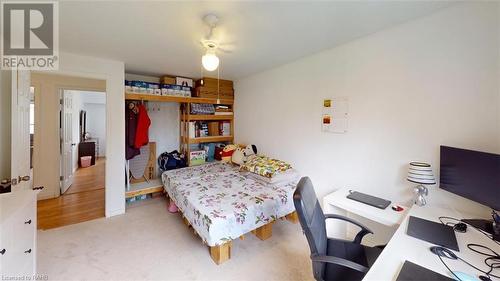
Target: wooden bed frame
{"points": [[222, 253]]}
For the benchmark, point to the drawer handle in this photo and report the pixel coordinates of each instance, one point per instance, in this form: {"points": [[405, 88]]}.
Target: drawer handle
{"points": [[27, 251], [2, 251], [38, 188], [27, 222]]}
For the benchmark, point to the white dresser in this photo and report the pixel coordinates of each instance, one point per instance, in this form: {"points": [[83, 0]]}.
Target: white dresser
{"points": [[18, 234]]}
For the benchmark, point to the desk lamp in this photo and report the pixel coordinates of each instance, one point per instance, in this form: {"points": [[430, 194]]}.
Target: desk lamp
{"points": [[420, 173]]}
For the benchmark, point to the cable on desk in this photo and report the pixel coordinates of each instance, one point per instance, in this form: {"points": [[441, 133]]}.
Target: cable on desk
{"points": [[492, 260], [458, 220], [445, 265]]}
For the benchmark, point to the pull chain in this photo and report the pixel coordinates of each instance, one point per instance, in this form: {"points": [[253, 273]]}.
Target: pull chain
{"points": [[218, 82]]}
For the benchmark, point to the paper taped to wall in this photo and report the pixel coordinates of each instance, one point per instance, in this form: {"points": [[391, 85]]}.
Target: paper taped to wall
{"points": [[335, 115]]}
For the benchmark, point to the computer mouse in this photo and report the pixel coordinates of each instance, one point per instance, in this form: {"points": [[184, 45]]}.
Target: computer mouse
{"points": [[460, 227], [464, 276], [443, 252]]}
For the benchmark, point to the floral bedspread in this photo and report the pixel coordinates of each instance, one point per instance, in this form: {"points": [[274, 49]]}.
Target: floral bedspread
{"points": [[222, 204]]}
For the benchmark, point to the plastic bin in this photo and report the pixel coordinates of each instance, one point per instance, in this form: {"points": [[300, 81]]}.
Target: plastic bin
{"points": [[86, 161]]}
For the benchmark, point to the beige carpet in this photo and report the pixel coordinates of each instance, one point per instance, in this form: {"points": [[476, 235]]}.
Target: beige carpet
{"points": [[148, 243]]}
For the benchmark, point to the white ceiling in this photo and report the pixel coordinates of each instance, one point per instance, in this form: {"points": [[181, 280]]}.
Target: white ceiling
{"points": [[163, 37]]}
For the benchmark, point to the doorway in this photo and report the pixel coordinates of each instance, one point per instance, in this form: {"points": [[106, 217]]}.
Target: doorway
{"points": [[69, 157], [83, 141]]}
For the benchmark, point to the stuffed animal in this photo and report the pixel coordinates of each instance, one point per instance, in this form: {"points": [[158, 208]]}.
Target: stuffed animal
{"points": [[238, 156], [227, 152], [242, 155], [250, 151]]}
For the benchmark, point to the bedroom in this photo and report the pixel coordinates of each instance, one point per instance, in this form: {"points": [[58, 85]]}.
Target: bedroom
{"points": [[347, 93]]}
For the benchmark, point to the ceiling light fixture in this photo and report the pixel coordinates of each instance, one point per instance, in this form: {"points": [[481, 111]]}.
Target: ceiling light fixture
{"points": [[210, 61]]}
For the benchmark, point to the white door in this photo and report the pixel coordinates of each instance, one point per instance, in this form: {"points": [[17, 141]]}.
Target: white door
{"points": [[20, 131], [67, 141]]}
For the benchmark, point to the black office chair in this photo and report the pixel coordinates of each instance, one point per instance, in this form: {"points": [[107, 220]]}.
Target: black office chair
{"points": [[332, 259]]}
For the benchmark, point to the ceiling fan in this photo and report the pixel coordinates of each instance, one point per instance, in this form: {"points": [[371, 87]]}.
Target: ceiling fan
{"points": [[210, 60]]}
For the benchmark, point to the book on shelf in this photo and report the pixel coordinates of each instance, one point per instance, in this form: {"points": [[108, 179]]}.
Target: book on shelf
{"points": [[192, 129], [204, 129], [225, 128], [199, 129], [223, 113]]}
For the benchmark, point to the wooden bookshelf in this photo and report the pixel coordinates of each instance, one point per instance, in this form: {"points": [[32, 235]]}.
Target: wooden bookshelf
{"points": [[211, 139], [148, 97], [186, 118], [195, 117]]}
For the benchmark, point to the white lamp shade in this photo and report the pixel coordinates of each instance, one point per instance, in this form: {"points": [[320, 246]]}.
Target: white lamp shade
{"points": [[210, 61], [421, 173]]}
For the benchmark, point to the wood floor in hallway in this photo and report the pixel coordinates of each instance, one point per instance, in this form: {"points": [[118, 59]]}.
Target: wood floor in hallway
{"points": [[83, 201], [87, 179]]}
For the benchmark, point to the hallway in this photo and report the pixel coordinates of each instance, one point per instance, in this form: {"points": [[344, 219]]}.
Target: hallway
{"points": [[87, 179], [83, 201]]}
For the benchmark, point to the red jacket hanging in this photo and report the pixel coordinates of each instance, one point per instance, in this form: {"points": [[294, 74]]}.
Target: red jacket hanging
{"points": [[143, 123]]}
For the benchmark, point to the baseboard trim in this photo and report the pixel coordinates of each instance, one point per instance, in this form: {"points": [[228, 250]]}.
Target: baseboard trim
{"points": [[115, 213]]}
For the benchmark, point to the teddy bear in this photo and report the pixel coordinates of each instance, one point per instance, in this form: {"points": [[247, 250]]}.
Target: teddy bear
{"points": [[227, 152]]}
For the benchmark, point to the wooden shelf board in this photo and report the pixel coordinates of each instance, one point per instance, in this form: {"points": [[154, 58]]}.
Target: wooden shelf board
{"points": [[212, 101], [194, 117], [148, 97], [142, 188], [211, 139]]}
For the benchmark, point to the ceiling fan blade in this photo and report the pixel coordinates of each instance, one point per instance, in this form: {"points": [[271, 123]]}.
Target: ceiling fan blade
{"points": [[228, 43], [224, 50]]}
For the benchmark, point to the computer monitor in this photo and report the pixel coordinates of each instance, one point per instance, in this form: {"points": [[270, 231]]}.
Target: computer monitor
{"points": [[471, 174]]}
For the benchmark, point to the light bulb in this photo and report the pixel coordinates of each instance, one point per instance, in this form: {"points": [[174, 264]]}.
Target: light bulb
{"points": [[210, 61]]}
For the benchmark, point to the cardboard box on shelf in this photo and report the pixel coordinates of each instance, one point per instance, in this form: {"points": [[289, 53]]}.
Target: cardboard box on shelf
{"points": [[168, 80], [212, 82], [213, 128], [211, 92], [183, 81]]}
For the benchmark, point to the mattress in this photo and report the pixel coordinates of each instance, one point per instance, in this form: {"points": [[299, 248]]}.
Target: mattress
{"points": [[222, 204]]}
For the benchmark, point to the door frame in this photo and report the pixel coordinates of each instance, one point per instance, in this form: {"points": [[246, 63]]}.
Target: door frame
{"points": [[61, 130], [59, 87], [113, 73]]}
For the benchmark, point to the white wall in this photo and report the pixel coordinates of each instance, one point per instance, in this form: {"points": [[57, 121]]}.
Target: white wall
{"points": [[411, 88], [94, 103], [5, 120], [92, 97], [164, 128], [96, 124], [113, 72]]}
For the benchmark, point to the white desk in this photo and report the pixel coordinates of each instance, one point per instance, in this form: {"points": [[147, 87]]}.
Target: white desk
{"points": [[337, 203], [339, 200], [402, 247]]}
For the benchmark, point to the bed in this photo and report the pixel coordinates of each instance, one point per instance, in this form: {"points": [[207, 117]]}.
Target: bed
{"points": [[222, 204]]}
